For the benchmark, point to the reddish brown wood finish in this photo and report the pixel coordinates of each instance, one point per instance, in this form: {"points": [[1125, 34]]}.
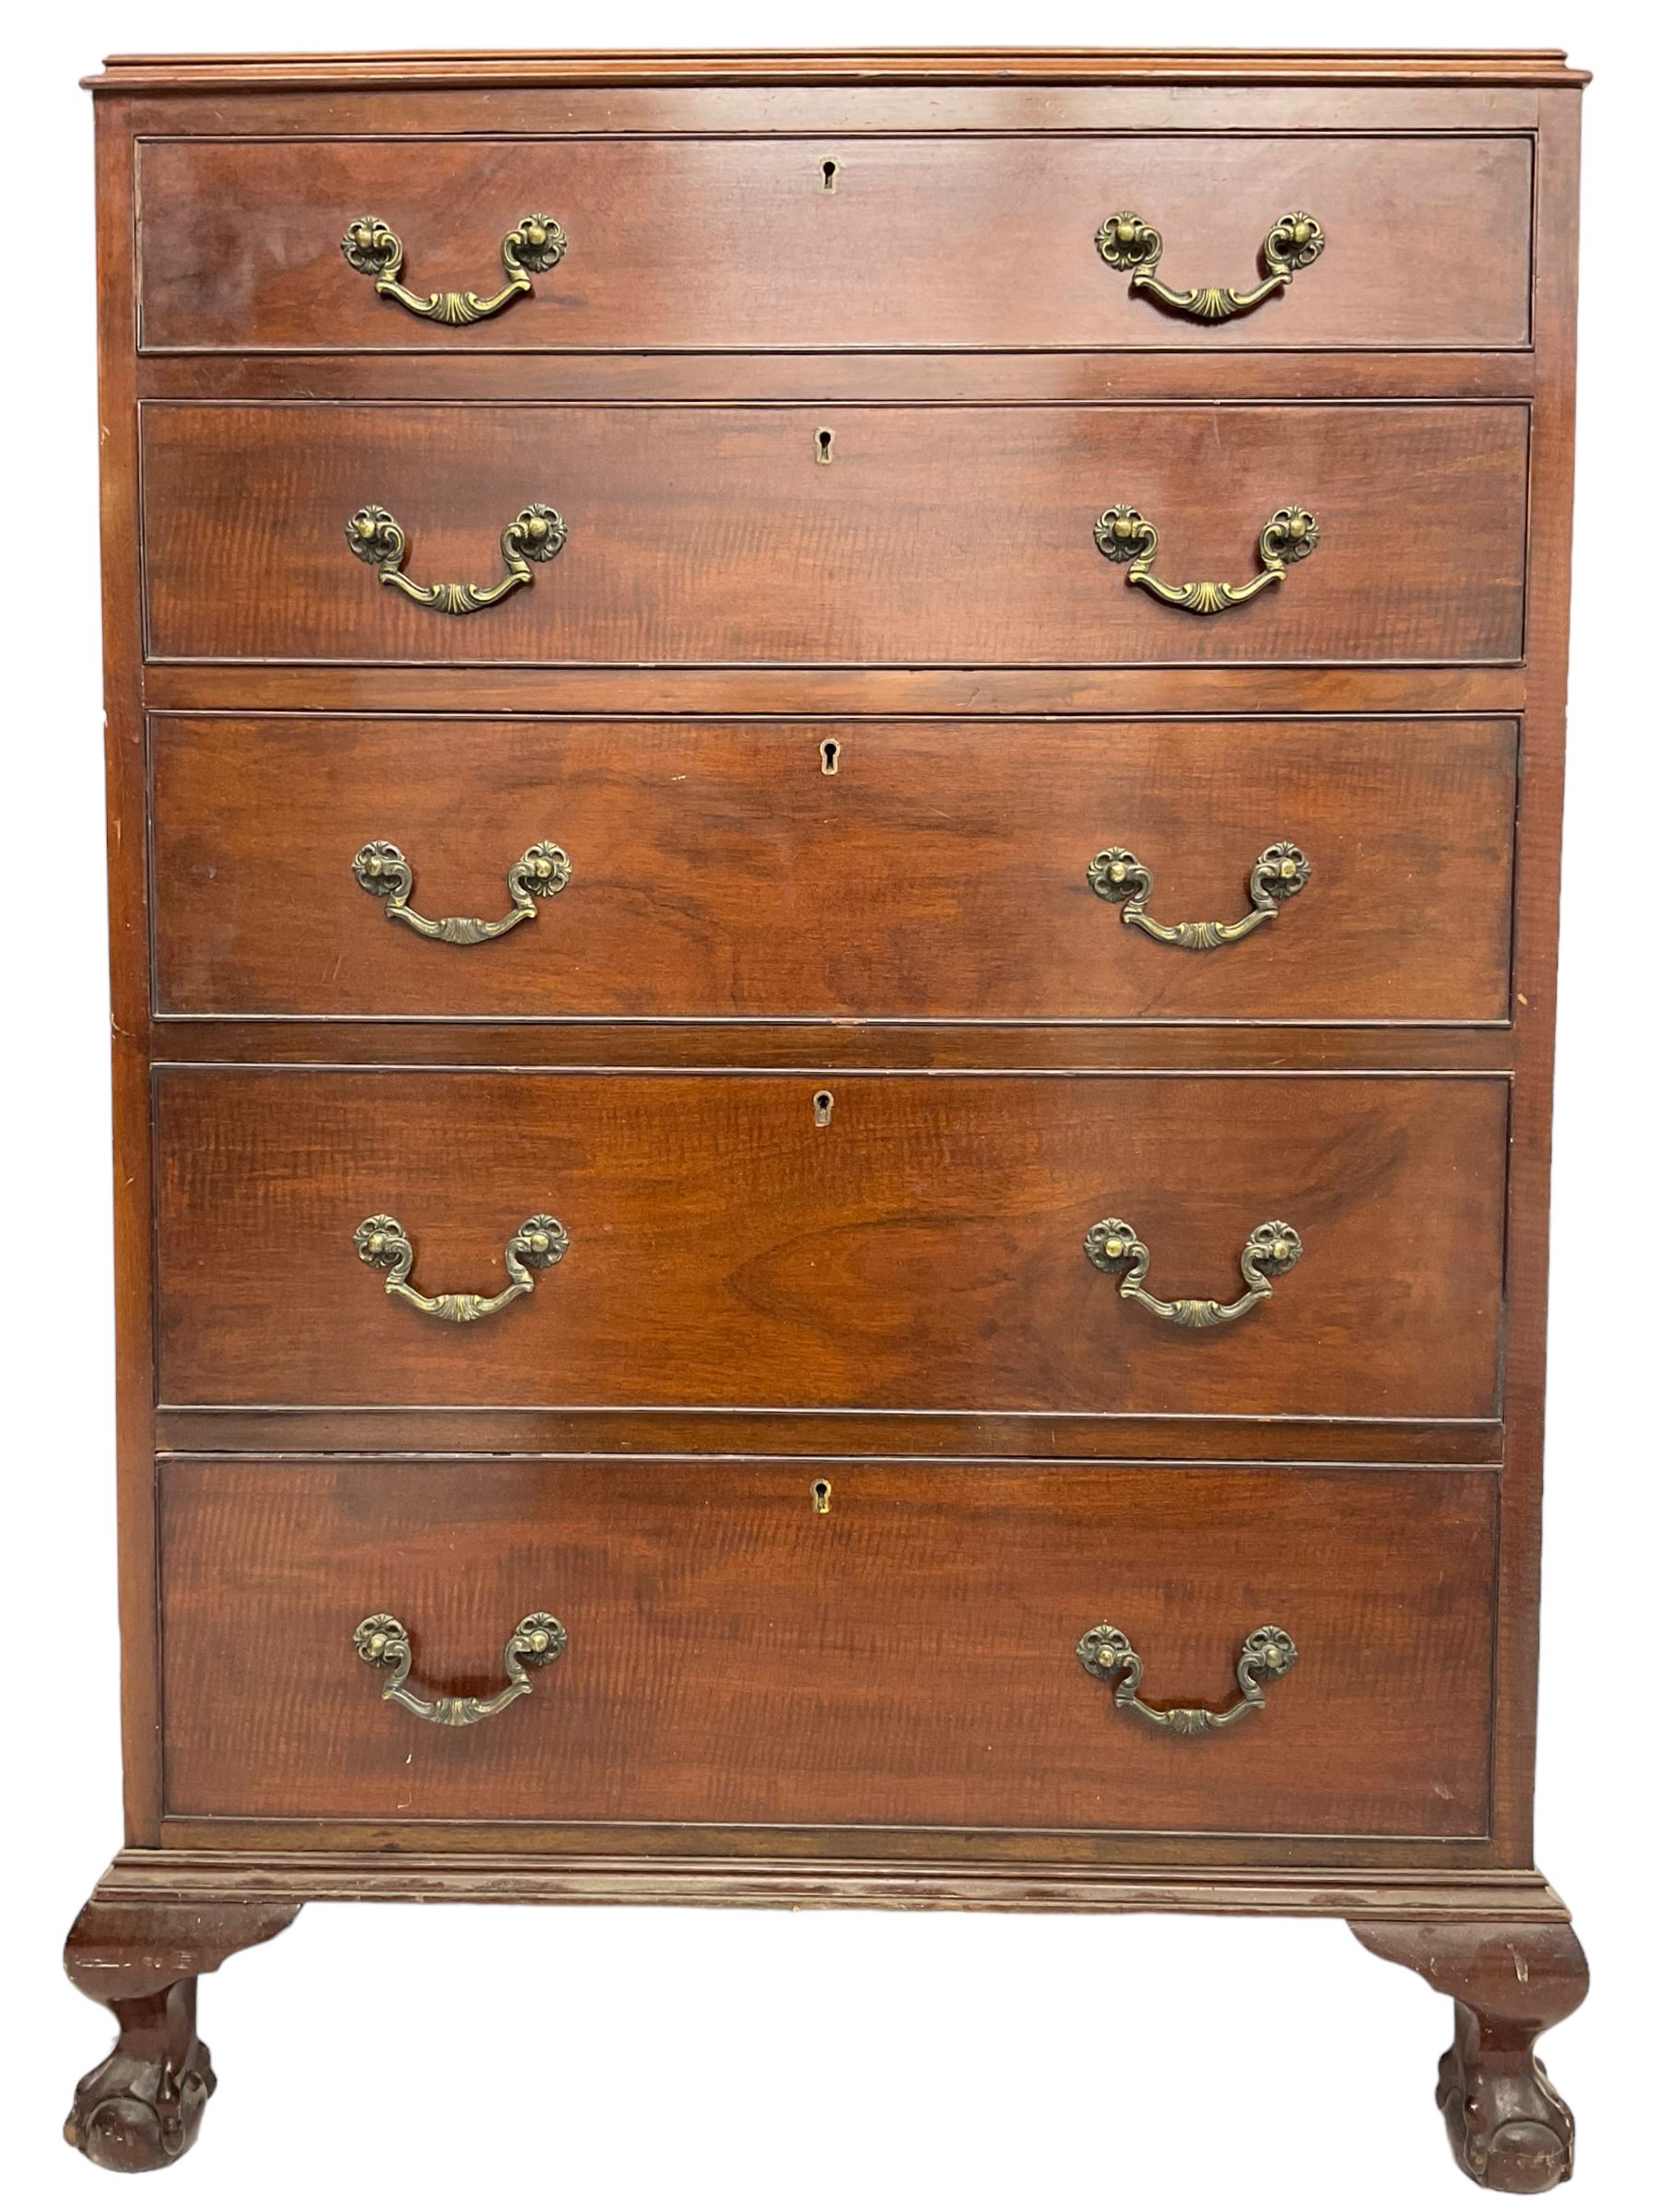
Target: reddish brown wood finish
{"points": [[140, 2109], [906, 1658], [644, 1862], [1010, 71], [939, 871], [133, 1195], [415, 688], [936, 535], [715, 244], [1509, 2129], [1248, 1439], [790, 1873], [1051, 1048], [926, 1249], [908, 378], [1438, 578], [1537, 911]]}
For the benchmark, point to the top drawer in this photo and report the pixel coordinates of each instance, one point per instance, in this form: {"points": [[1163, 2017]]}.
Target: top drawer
{"points": [[835, 244]]}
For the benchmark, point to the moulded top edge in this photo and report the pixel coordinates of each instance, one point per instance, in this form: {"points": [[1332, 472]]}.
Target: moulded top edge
{"points": [[877, 65]]}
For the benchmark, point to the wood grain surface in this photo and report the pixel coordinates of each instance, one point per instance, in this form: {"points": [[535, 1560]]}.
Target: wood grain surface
{"points": [[939, 872], [946, 535], [714, 244], [906, 1659], [1412, 74], [942, 566], [924, 1250]]}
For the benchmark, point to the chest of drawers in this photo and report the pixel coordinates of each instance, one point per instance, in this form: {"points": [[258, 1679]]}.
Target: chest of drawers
{"points": [[833, 914]]}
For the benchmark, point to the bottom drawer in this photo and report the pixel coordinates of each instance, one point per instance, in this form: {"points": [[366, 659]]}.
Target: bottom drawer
{"points": [[906, 1658]]}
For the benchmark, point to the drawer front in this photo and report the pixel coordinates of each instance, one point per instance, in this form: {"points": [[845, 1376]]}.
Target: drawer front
{"points": [[943, 535], [892, 1242], [756, 870], [907, 1658], [923, 241]]}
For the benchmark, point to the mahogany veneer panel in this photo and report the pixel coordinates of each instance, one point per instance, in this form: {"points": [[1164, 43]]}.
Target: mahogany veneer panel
{"points": [[940, 872], [948, 535], [728, 243], [907, 1658], [924, 1250]]}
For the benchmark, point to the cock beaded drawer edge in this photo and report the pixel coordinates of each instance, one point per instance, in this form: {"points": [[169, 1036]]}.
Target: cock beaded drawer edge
{"points": [[834, 1029]]}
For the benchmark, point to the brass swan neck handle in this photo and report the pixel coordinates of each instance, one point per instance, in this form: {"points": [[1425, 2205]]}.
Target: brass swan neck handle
{"points": [[530, 248], [1125, 243], [381, 1640], [381, 1243], [1271, 1250], [383, 872], [1106, 1653], [1279, 873], [535, 533], [1125, 536]]}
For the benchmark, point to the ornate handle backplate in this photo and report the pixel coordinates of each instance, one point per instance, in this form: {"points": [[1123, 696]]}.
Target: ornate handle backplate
{"points": [[375, 249], [1274, 1249], [383, 872], [1295, 242], [1124, 534], [1106, 1652], [535, 533], [381, 1243], [382, 1641], [1279, 873]]}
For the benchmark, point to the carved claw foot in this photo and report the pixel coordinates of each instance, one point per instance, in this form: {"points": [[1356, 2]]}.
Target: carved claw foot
{"points": [[1509, 2129], [140, 2109]]}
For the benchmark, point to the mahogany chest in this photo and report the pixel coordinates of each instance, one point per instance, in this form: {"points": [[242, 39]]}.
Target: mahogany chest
{"points": [[834, 784]]}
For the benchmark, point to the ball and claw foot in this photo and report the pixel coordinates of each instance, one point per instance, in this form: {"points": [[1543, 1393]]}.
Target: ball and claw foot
{"points": [[135, 2114], [1509, 2127], [1509, 2131], [141, 2109]]}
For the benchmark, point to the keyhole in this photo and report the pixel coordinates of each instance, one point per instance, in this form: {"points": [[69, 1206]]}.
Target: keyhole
{"points": [[830, 756], [820, 1495], [823, 1106], [826, 439], [831, 170]]}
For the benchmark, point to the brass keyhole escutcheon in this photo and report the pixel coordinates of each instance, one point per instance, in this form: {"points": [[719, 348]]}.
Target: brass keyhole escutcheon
{"points": [[831, 170], [830, 756], [820, 1495], [826, 442], [823, 1107]]}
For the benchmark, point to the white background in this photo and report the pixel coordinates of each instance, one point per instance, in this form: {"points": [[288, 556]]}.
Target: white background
{"points": [[609, 2061]]}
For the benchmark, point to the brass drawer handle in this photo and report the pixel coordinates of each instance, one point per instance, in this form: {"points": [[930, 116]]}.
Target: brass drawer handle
{"points": [[541, 1242], [1123, 534], [1279, 873], [382, 1641], [1295, 242], [1106, 1652], [1274, 1249], [373, 248], [383, 872], [535, 533]]}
